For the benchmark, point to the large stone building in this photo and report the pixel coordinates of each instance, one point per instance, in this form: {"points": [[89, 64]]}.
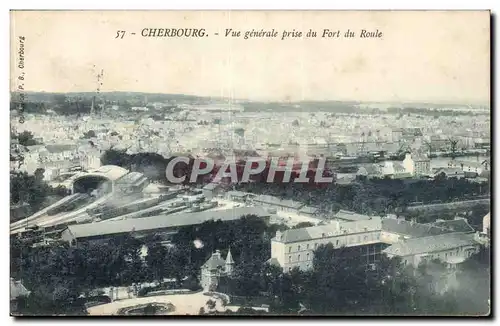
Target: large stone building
{"points": [[450, 241], [295, 247]]}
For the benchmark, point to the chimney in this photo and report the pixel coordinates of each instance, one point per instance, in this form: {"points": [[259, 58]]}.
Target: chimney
{"points": [[278, 235]]}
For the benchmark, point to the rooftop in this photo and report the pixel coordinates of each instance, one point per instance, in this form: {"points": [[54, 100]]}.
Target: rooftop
{"points": [[329, 230], [214, 262], [457, 225], [271, 200], [351, 216], [17, 289], [430, 244], [161, 221], [414, 230]]}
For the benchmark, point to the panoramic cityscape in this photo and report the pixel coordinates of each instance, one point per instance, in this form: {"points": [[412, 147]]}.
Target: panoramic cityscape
{"points": [[129, 202], [410, 186]]}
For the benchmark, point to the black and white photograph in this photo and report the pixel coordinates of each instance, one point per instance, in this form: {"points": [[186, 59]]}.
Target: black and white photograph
{"points": [[234, 162]]}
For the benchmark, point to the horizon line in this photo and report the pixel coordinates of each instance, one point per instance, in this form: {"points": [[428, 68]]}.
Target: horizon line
{"points": [[402, 101]]}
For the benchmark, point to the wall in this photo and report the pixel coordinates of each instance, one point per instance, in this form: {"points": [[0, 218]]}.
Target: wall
{"points": [[301, 254]]}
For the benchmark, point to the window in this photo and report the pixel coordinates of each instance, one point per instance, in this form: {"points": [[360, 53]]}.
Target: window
{"points": [[323, 235], [366, 238], [289, 259], [458, 250], [289, 249], [307, 257], [446, 255], [337, 243], [298, 248], [307, 247], [315, 245], [298, 258]]}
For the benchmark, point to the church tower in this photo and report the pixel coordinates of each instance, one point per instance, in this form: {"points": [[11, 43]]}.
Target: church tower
{"points": [[229, 263]]}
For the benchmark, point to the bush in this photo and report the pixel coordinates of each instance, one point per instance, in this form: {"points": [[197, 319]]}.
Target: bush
{"points": [[144, 291]]}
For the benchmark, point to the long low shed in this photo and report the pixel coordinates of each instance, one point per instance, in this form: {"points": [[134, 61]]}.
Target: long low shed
{"points": [[159, 223]]}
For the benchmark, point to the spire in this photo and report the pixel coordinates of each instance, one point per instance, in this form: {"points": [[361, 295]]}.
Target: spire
{"points": [[229, 258]]}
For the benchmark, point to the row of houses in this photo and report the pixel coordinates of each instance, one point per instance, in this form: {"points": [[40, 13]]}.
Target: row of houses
{"points": [[419, 165]]}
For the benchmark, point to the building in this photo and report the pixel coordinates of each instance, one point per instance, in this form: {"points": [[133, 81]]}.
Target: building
{"points": [[459, 224], [295, 247], [90, 159], [238, 196], [395, 230], [394, 170], [486, 164], [309, 211], [468, 166], [372, 237], [285, 205], [132, 182], [164, 225], [370, 171], [417, 164], [450, 173], [486, 224], [451, 248], [17, 291], [212, 190], [215, 268]]}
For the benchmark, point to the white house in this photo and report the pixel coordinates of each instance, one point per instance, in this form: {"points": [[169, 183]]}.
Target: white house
{"points": [[417, 164]]}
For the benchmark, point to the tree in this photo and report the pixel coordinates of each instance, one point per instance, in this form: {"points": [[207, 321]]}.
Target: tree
{"points": [[26, 138], [39, 173], [89, 134], [157, 261]]}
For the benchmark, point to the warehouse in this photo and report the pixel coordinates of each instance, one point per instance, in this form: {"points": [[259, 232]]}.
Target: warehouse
{"points": [[161, 224]]}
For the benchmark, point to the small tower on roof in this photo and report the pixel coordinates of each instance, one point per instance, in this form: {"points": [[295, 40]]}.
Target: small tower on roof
{"points": [[229, 263]]}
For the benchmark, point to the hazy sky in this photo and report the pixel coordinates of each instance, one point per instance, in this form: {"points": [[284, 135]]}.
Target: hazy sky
{"points": [[422, 56]]}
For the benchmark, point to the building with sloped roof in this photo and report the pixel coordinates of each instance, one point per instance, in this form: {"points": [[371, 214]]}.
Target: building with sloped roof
{"points": [[349, 216], [450, 173], [215, 268], [366, 236], [417, 164], [451, 248], [295, 247], [396, 229], [286, 205], [17, 291], [161, 224], [459, 224]]}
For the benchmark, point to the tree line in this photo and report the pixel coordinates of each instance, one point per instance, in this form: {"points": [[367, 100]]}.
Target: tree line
{"points": [[57, 275], [31, 189], [338, 284]]}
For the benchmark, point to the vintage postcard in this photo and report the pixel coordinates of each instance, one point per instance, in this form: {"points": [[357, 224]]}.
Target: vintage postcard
{"points": [[328, 163]]}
